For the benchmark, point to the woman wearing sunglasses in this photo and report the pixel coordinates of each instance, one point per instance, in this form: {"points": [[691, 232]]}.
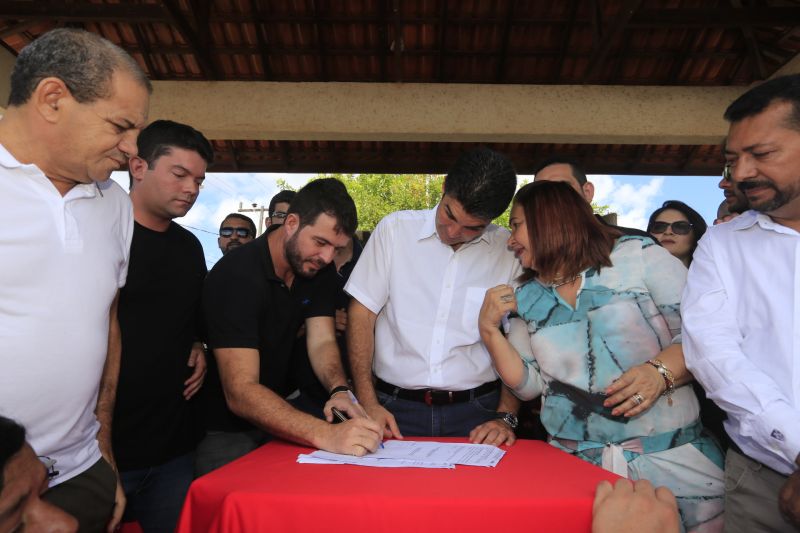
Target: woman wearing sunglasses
{"points": [[677, 227], [599, 340]]}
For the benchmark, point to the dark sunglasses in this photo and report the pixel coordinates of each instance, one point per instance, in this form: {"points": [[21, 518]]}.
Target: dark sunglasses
{"points": [[678, 228], [240, 232]]}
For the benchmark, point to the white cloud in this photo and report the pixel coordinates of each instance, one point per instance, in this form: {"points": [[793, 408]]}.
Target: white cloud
{"points": [[632, 203]]}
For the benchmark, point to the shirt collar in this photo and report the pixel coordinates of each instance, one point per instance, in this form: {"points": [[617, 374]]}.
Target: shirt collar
{"points": [[428, 228], [750, 218], [81, 190]]}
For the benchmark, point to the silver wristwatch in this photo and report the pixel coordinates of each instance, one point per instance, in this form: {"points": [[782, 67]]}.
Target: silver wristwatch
{"points": [[509, 418]]}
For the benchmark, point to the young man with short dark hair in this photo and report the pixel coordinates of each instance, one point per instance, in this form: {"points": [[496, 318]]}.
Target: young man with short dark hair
{"points": [[255, 301], [413, 319], [163, 359]]}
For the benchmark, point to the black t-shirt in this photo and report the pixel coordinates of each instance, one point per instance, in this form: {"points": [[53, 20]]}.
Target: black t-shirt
{"points": [[160, 317], [247, 306]]}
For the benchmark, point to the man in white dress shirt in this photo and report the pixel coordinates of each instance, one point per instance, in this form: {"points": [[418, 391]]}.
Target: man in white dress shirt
{"points": [[741, 311], [417, 290]]}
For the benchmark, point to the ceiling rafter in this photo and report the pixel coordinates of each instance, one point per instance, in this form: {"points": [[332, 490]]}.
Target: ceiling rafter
{"points": [[608, 40], [506, 38], [261, 39], [202, 52], [753, 51], [441, 41], [80, 11], [146, 51], [319, 42], [398, 44], [567, 37]]}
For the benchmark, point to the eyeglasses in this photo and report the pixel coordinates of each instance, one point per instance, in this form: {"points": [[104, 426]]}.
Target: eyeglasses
{"points": [[50, 466], [678, 228], [240, 232], [727, 172], [278, 214]]}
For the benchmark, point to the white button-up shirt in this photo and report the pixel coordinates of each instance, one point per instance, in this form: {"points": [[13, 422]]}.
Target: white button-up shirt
{"points": [[741, 335], [427, 297]]}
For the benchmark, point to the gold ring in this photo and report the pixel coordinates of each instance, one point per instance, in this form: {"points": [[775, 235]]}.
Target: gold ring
{"points": [[506, 298], [637, 398]]}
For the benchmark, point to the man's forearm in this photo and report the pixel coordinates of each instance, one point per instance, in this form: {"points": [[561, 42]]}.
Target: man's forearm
{"points": [[323, 352], [361, 344], [508, 402], [327, 365], [108, 385], [268, 411]]}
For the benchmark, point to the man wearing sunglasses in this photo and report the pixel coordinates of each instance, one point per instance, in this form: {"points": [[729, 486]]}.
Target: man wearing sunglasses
{"points": [[255, 301], [741, 311], [279, 207], [235, 230], [162, 363]]}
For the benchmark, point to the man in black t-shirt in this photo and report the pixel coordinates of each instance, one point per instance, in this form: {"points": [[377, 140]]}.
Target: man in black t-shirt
{"points": [[163, 362], [255, 300]]}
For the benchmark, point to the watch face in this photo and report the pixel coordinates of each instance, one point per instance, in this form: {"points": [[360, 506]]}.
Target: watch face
{"points": [[509, 418]]}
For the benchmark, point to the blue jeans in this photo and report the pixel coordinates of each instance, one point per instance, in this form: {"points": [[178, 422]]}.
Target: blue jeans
{"points": [[155, 495], [219, 448], [418, 419]]}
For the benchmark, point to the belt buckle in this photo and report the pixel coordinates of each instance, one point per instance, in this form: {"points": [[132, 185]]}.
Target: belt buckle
{"points": [[429, 396]]}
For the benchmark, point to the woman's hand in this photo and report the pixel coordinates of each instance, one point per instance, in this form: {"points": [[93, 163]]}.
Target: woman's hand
{"points": [[635, 391], [498, 302]]}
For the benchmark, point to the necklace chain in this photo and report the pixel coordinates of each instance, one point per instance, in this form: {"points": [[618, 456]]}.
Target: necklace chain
{"points": [[559, 282]]}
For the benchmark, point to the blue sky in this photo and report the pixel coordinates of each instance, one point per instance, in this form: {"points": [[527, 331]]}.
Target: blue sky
{"points": [[633, 198]]}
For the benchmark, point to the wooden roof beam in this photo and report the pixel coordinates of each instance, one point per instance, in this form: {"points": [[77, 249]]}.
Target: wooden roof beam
{"points": [[261, 39], [199, 47], [608, 39], [81, 11], [756, 60]]}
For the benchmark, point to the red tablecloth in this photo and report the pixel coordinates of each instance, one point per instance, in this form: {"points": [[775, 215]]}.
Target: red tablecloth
{"points": [[534, 488]]}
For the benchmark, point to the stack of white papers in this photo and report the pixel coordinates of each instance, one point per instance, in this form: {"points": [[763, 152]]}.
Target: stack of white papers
{"points": [[414, 454]]}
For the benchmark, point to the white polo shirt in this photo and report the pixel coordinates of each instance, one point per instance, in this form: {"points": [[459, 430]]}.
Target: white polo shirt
{"points": [[62, 260], [427, 297]]}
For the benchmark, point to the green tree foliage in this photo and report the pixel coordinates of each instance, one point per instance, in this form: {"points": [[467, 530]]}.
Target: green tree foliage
{"points": [[377, 195]]}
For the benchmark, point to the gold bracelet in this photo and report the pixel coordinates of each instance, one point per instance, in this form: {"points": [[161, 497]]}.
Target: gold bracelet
{"points": [[669, 378]]}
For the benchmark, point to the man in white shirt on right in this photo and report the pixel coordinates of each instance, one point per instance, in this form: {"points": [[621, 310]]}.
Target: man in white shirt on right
{"points": [[741, 311]]}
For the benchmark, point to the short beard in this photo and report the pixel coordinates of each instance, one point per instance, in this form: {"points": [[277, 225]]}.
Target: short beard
{"points": [[295, 259], [778, 200]]}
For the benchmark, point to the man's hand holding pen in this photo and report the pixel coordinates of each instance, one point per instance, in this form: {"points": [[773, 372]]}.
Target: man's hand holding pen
{"points": [[342, 400], [357, 434]]}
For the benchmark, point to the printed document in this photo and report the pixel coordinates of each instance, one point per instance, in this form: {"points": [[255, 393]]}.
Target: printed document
{"points": [[415, 454]]}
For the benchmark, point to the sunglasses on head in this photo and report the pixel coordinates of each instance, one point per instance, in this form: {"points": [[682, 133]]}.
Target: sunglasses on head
{"points": [[678, 228], [240, 232]]}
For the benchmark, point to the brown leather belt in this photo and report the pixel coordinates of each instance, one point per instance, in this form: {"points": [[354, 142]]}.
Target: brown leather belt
{"points": [[436, 397]]}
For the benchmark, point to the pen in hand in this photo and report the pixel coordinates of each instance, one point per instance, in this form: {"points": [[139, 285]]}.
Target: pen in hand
{"points": [[338, 414], [354, 400]]}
